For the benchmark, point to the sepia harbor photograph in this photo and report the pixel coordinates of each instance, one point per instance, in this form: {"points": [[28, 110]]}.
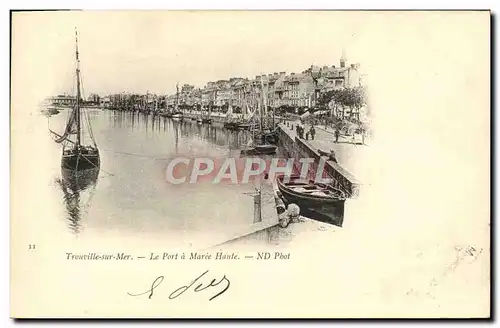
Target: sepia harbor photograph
{"points": [[118, 134], [269, 146]]}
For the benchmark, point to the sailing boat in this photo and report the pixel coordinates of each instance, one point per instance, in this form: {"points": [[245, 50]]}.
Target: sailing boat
{"points": [[78, 154], [200, 113], [208, 118], [230, 123], [248, 119], [261, 147], [177, 114]]}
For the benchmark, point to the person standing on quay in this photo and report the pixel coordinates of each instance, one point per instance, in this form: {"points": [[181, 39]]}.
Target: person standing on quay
{"points": [[337, 134], [312, 131]]}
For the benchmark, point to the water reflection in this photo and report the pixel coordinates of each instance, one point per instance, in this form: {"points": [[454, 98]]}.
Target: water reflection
{"points": [[134, 198], [78, 188], [186, 129]]}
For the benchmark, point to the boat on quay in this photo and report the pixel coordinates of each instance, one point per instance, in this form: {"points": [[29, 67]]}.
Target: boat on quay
{"points": [[270, 137], [231, 122], [247, 125], [327, 202], [230, 125], [177, 114], [77, 154], [50, 111], [261, 146], [265, 149]]}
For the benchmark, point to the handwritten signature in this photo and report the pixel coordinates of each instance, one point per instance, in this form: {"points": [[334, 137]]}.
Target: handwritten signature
{"points": [[224, 281]]}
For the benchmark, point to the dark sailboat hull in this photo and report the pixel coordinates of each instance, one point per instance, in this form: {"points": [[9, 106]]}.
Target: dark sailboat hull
{"points": [[247, 126], [260, 150], [80, 160], [231, 125]]}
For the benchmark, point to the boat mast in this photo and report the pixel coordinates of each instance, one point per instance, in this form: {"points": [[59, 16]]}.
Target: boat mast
{"points": [[215, 99], [77, 107], [177, 97], [261, 107]]}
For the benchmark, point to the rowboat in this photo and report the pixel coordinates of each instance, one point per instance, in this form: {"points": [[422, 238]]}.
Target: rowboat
{"points": [[231, 125], [326, 202], [260, 150], [300, 190]]}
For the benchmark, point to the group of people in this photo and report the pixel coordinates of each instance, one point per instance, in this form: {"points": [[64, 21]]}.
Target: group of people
{"points": [[301, 130]]}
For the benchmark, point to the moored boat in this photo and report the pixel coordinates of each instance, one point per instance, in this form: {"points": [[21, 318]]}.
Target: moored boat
{"points": [[324, 200], [265, 149], [78, 154], [300, 190], [177, 116], [231, 125], [50, 111], [247, 126]]}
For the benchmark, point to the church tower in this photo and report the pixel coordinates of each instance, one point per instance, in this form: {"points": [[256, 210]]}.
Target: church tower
{"points": [[343, 59]]}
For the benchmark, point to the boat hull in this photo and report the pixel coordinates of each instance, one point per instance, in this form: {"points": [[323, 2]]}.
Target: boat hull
{"points": [[80, 161], [231, 126], [330, 210], [177, 116], [260, 150], [247, 126]]}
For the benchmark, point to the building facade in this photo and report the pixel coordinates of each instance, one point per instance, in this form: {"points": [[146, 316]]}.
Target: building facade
{"points": [[63, 100], [279, 89]]}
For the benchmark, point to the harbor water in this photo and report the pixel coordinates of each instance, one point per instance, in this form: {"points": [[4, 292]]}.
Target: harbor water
{"points": [[131, 196]]}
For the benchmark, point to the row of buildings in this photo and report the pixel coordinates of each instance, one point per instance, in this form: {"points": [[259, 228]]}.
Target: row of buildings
{"points": [[279, 89], [69, 100]]}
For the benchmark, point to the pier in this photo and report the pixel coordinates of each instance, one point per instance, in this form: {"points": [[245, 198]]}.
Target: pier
{"points": [[301, 148]]}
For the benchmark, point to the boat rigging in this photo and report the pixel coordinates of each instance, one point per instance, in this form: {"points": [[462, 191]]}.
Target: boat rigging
{"points": [[80, 150]]}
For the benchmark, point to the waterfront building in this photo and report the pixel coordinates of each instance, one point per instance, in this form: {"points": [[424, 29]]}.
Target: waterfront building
{"points": [[224, 93], [171, 101], [186, 95], [106, 101], [207, 95], [94, 99], [63, 100], [295, 90], [238, 87]]}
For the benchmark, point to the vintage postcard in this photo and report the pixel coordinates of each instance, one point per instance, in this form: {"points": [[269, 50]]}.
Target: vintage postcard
{"points": [[250, 164]]}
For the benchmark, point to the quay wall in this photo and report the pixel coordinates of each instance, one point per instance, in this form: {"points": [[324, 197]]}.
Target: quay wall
{"points": [[299, 148], [259, 233], [265, 227]]}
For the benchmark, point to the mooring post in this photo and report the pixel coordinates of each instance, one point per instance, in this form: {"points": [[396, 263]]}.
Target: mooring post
{"points": [[257, 206]]}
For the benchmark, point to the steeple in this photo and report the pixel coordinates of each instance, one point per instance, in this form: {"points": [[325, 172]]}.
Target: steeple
{"points": [[343, 59]]}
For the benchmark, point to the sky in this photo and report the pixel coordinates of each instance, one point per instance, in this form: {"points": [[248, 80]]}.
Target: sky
{"points": [[411, 60], [140, 51]]}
